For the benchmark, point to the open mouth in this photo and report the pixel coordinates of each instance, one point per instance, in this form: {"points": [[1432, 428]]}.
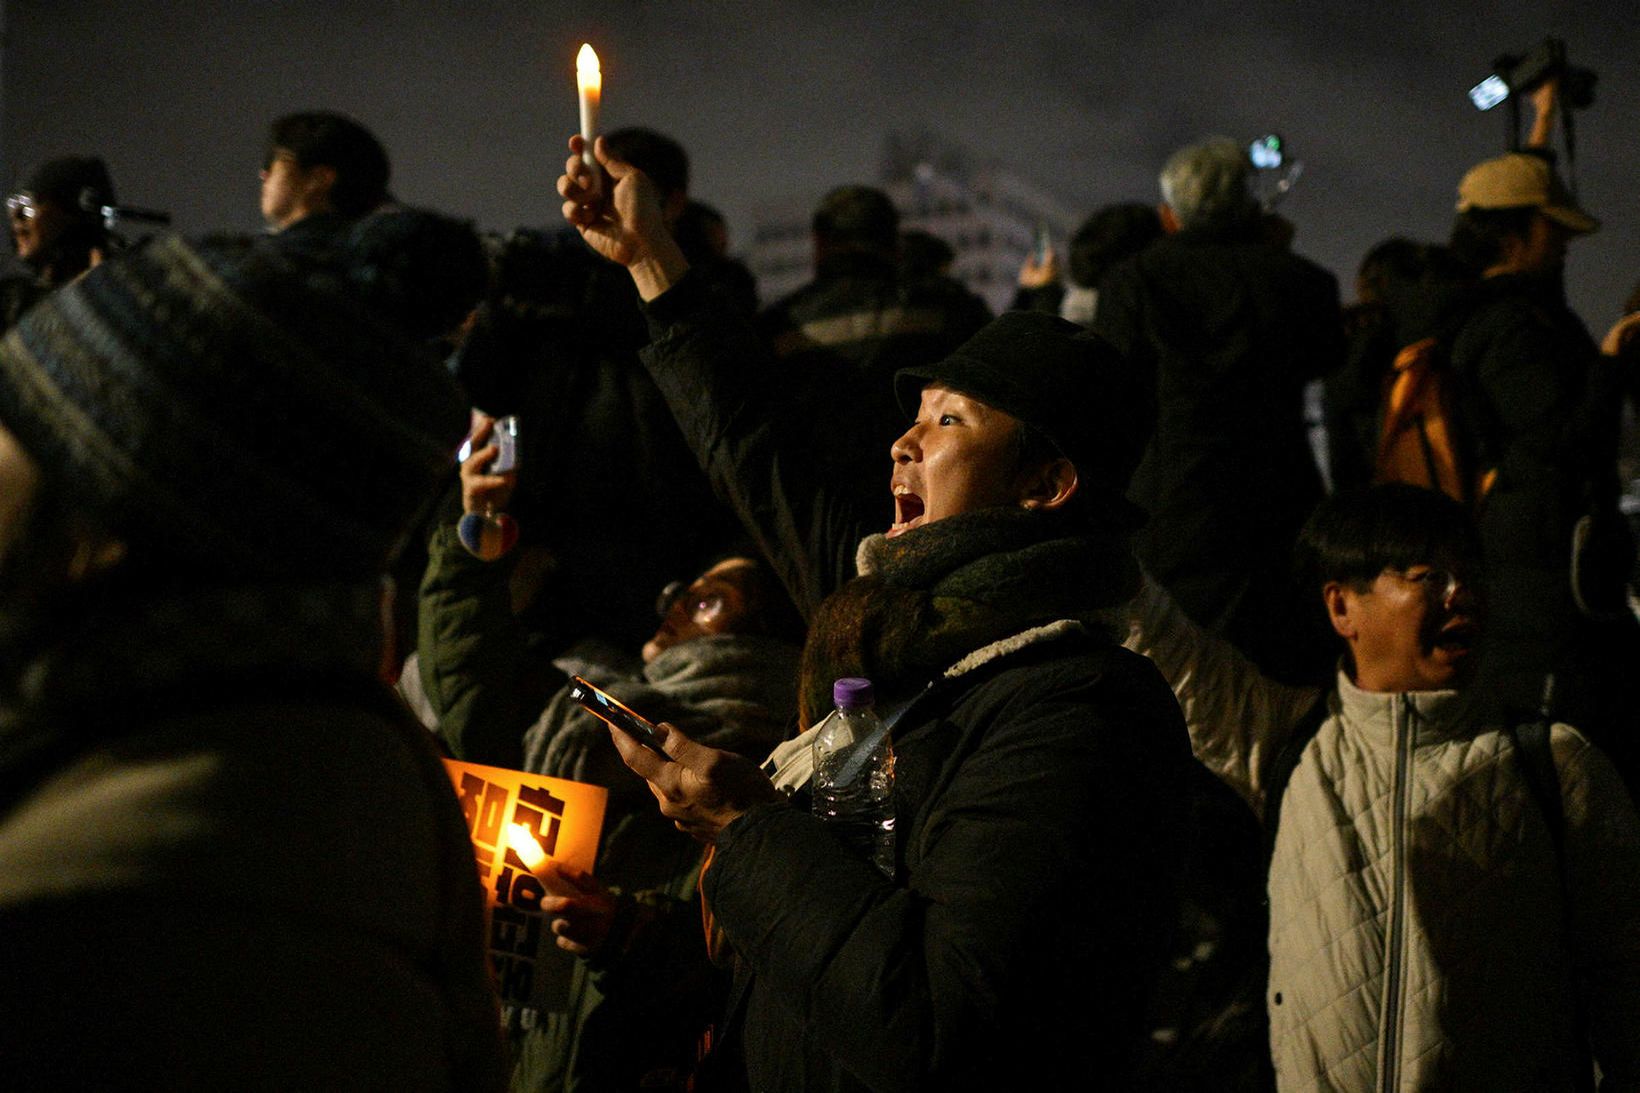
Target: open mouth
{"points": [[908, 511], [1457, 638]]}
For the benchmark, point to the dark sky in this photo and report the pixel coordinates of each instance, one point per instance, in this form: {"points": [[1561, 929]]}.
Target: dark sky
{"points": [[779, 100]]}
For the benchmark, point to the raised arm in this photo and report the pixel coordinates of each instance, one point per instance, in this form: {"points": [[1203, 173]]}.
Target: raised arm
{"points": [[1237, 717], [476, 667], [716, 375]]}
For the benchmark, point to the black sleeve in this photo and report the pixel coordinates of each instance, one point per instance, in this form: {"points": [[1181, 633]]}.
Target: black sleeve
{"points": [[479, 672], [715, 373]]}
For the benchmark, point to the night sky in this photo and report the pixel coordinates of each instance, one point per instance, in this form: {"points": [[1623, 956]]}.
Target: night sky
{"points": [[780, 101]]}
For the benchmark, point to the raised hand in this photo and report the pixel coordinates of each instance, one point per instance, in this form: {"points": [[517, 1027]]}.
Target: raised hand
{"points": [[620, 217]]}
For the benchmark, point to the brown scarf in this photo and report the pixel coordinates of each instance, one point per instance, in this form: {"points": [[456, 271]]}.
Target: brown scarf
{"points": [[930, 597]]}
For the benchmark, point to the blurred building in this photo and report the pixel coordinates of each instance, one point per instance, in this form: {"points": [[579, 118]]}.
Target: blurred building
{"points": [[987, 213]]}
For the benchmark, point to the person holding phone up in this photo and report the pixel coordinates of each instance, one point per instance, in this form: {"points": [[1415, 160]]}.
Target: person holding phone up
{"points": [[722, 662]]}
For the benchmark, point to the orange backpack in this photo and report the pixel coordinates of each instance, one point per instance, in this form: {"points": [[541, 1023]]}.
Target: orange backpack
{"points": [[1420, 441]]}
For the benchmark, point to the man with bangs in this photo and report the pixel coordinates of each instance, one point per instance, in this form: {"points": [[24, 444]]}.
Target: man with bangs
{"points": [[1454, 895], [1038, 764]]}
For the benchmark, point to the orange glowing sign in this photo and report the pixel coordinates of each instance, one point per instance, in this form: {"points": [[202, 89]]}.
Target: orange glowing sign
{"points": [[521, 824]]}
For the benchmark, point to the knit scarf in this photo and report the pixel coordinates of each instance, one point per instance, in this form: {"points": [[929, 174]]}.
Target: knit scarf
{"points": [[928, 598]]}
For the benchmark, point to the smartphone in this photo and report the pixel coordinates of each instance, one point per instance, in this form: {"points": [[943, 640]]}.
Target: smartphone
{"points": [[506, 442], [1041, 244], [1267, 152], [505, 439], [1489, 92], [608, 707]]}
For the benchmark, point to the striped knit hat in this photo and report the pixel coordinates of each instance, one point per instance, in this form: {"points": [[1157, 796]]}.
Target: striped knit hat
{"points": [[221, 408]]}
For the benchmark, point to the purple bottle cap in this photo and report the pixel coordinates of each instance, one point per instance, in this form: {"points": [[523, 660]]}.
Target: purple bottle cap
{"points": [[852, 693]]}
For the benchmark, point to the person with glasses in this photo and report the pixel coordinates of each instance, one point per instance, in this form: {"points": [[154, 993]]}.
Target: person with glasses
{"points": [[723, 661], [1438, 920], [56, 227]]}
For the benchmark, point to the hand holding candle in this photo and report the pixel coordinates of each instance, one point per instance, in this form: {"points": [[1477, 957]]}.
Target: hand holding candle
{"points": [[589, 81]]}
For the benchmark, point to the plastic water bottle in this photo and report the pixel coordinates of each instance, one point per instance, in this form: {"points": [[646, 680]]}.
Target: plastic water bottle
{"points": [[853, 787]]}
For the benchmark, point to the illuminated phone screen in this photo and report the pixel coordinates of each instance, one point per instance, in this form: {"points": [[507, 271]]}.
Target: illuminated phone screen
{"points": [[1489, 92], [609, 708]]}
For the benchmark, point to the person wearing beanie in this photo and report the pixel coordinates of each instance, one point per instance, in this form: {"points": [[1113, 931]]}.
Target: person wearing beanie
{"points": [[1024, 914], [228, 857], [56, 228]]}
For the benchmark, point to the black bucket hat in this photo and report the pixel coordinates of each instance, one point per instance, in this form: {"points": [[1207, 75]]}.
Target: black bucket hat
{"points": [[1064, 381]]}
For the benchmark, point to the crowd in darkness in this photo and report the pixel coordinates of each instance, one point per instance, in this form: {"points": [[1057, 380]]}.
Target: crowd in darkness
{"points": [[1210, 773]]}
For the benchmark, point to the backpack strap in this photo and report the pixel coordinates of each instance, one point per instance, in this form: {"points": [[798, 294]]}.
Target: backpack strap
{"points": [[1537, 766], [1281, 769], [1537, 763]]}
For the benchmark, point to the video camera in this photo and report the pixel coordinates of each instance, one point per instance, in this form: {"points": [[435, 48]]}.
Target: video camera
{"points": [[1277, 171], [1516, 74]]}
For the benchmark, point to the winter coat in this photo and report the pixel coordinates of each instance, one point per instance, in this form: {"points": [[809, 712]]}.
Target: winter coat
{"points": [[1527, 363], [1423, 934], [229, 860], [1035, 841], [736, 692], [1228, 330]]}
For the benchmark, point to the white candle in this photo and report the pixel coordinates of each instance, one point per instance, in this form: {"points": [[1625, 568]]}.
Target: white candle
{"points": [[590, 81]]}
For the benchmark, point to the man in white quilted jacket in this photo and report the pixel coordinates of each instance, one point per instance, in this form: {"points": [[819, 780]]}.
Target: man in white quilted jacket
{"points": [[1425, 931]]}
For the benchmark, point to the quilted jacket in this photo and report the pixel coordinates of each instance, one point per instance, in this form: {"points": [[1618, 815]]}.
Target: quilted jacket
{"points": [[1423, 934]]}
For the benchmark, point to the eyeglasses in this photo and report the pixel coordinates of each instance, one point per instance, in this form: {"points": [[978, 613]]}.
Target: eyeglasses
{"points": [[703, 609], [1436, 583], [22, 206]]}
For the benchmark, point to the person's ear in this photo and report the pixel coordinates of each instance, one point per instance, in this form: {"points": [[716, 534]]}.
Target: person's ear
{"points": [[1340, 603], [317, 183], [1050, 486], [1169, 218]]}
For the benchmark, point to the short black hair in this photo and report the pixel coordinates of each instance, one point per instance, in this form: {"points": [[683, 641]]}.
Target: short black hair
{"points": [[1478, 235], [924, 254], [1396, 258], [857, 216], [1353, 536], [1108, 236], [655, 154], [694, 232], [324, 138]]}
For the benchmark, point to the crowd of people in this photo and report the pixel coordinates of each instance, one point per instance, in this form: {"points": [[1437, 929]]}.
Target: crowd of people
{"points": [[1211, 771]]}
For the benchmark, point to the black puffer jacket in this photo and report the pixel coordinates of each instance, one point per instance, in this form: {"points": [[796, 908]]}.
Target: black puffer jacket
{"points": [[1543, 407], [1229, 330], [1036, 835]]}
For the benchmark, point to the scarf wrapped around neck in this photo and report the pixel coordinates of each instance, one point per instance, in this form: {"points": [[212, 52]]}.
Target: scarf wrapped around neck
{"points": [[927, 598]]}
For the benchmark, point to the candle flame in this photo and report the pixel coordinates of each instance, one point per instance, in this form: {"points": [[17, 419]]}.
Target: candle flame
{"points": [[524, 845], [587, 72]]}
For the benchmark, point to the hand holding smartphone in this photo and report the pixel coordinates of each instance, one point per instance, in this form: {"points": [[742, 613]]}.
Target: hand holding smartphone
{"points": [[611, 710]]}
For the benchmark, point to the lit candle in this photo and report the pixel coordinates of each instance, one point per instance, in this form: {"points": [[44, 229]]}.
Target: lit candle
{"points": [[524, 845], [589, 79]]}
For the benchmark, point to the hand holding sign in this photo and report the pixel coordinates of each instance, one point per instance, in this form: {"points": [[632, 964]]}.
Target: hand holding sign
{"points": [[702, 790], [582, 913]]}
